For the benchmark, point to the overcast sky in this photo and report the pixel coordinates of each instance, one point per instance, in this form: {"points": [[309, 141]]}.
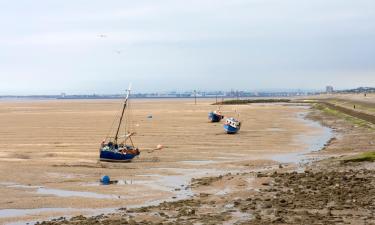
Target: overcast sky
{"points": [[92, 46]]}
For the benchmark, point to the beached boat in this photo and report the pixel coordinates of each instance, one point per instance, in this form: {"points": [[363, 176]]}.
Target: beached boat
{"points": [[215, 116], [232, 125], [116, 148]]}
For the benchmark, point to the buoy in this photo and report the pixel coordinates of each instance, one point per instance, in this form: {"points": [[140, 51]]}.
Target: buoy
{"points": [[105, 180]]}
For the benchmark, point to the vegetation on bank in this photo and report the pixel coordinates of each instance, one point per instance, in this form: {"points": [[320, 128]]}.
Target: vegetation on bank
{"points": [[249, 101], [363, 157], [353, 120], [368, 107]]}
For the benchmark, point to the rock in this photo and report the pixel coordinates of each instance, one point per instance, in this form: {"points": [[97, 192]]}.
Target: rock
{"points": [[277, 220], [186, 212], [132, 222], [77, 218], [267, 205]]}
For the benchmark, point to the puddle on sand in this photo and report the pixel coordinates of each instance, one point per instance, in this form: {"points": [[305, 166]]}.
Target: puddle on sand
{"points": [[275, 129], [224, 191], [5, 213], [315, 142], [61, 193], [178, 184], [83, 194], [114, 182], [9, 213], [23, 186], [238, 217], [198, 162], [15, 185]]}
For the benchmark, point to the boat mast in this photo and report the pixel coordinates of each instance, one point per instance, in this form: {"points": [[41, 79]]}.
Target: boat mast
{"points": [[122, 114]]}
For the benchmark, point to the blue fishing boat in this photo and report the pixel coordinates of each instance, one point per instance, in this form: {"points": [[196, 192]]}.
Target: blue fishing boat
{"points": [[232, 125], [112, 153], [215, 116], [116, 148]]}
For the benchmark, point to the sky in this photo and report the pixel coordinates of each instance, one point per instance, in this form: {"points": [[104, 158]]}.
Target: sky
{"points": [[92, 46]]}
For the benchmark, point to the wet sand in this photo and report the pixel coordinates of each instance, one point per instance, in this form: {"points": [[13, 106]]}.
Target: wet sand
{"points": [[49, 152]]}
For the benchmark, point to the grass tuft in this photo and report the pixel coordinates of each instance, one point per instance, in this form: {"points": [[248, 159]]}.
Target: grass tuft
{"points": [[348, 118], [248, 101], [363, 157]]}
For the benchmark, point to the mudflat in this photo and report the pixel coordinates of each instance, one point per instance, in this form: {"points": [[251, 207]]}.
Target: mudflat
{"points": [[332, 186], [49, 152]]}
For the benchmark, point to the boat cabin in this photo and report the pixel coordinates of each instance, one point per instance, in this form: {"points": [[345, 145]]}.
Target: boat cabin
{"points": [[233, 122]]}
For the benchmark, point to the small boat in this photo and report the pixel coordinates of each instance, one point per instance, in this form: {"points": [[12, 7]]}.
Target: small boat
{"points": [[215, 116], [232, 125], [116, 148]]}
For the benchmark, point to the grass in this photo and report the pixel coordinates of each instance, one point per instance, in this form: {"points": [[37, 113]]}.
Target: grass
{"points": [[348, 118], [363, 157], [249, 101], [361, 106]]}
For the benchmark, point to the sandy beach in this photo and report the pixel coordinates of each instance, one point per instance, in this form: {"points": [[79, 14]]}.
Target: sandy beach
{"points": [[49, 152]]}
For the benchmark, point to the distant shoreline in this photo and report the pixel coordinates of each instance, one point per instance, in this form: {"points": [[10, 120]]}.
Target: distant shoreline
{"points": [[114, 98], [240, 96]]}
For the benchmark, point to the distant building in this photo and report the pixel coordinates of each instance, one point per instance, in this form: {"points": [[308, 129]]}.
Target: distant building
{"points": [[329, 89]]}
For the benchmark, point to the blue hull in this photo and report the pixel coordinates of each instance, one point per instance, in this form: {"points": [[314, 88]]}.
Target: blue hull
{"points": [[115, 156], [230, 129], [213, 117]]}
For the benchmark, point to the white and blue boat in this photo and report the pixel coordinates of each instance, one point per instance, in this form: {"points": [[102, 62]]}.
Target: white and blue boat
{"points": [[232, 125], [117, 148], [215, 116], [115, 155]]}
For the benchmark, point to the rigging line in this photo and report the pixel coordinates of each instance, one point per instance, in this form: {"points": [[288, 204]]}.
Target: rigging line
{"points": [[111, 129], [130, 114], [122, 115], [129, 117], [109, 132]]}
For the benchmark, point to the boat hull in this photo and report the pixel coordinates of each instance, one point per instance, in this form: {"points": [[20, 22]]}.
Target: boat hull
{"points": [[111, 156], [214, 118], [230, 129]]}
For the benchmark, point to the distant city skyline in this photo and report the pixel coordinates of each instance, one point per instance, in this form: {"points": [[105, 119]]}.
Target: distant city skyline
{"points": [[85, 47], [202, 93], [171, 94]]}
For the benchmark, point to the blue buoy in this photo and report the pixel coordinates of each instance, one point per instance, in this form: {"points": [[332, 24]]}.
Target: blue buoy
{"points": [[105, 180]]}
